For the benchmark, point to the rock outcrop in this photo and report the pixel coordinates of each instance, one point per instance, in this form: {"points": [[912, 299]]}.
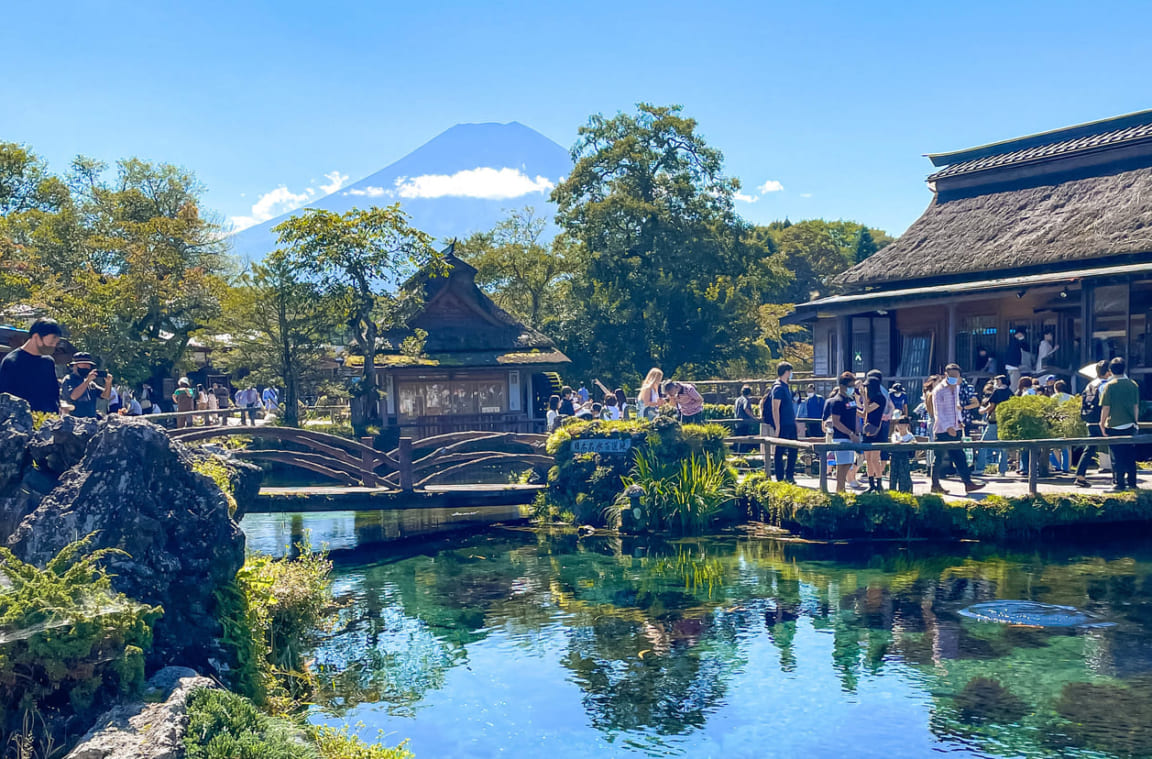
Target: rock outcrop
{"points": [[150, 729], [125, 480], [15, 432], [135, 489]]}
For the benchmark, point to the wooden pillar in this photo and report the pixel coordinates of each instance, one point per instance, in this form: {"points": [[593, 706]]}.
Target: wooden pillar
{"points": [[1033, 468], [822, 455], [951, 352], [766, 450], [404, 456], [367, 464]]}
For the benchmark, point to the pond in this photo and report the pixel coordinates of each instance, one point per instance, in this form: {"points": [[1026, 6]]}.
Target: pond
{"points": [[529, 643]]}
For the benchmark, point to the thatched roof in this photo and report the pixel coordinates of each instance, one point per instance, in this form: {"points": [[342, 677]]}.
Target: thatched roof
{"points": [[464, 326], [1061, 223]]}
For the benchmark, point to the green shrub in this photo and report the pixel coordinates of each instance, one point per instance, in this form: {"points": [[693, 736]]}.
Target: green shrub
{"points": [[67, 639], [684, 495], [271, 613], [885, 515], [1035, 417], [223, 725], [1025, 417], [586, 485], [719, 411]]}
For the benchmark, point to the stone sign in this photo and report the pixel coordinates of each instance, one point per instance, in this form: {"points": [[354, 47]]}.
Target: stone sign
{"points": [[610, 445]]}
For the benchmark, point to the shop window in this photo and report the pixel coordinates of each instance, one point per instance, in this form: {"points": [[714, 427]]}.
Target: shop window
{"points": [[1139, 346], [1110, 316], [974, 333], [433, 395]]}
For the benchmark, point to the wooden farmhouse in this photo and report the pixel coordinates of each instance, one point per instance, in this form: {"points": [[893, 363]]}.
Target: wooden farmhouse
{"points": [[1047, 232], [479, 368]]}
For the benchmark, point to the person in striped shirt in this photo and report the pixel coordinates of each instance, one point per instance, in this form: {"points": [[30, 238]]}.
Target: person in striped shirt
{"points": [[948, 424]]}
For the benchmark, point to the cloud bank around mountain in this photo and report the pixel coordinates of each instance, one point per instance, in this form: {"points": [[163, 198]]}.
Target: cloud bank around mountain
{"points": [[483, 182]]}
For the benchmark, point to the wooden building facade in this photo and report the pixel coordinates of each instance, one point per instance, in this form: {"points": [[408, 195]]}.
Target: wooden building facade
{"points": [[1047, 232], [479, 367]]}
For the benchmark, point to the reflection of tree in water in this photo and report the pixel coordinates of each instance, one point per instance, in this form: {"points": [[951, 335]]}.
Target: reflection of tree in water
{"points": [[686, 607], [671, 690]]}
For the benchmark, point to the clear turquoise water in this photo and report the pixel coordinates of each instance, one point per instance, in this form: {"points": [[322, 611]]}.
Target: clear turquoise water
{"points": [[521, 643]]}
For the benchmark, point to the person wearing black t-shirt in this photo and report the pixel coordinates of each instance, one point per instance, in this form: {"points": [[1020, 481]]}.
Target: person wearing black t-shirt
{"points": [[29, 371], [840, 417], [1000, 393]]}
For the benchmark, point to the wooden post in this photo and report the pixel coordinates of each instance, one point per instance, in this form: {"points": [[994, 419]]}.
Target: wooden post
{"points": [[823, 456], [367, 470], [1033, 469], [404, 454], [766, 449]]}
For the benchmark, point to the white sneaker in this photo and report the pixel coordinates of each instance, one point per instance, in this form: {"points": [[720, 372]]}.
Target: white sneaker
{"points": [[857, 485]]}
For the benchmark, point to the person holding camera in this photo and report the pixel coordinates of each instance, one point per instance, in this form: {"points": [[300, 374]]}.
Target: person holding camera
{"points": [[81, 388]]}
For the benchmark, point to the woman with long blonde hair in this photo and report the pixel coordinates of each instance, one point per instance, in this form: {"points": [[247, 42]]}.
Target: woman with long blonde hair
{"points": [[648, 399]]}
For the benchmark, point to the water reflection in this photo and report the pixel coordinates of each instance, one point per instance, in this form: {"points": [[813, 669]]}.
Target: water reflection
{"points": [[524, 643]]}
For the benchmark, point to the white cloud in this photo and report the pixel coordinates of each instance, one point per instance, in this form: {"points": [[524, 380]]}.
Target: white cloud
{"points": [[770, 186], [372, 192], [282, 200], [483, 182], [746, 198], [272, 204], [336, 180]]}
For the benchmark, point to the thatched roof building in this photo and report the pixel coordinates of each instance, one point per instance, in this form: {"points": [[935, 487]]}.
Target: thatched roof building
{"points": [[1050, 232], [478, 368]]}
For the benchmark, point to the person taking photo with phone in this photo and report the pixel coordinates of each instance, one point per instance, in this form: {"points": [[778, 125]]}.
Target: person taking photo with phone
{"points": [[82, 387]]}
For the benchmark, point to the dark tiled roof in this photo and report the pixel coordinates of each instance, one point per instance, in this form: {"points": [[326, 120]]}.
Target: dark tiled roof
{"points": [[1109, 139]]}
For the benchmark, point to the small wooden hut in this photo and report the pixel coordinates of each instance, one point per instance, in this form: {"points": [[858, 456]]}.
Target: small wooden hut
{"points": [[479, 367], [1047, 232]]}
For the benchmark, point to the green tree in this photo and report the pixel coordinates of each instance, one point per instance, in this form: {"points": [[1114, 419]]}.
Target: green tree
{"points": [[353, 258], [866, 247], [521, 273], [278, 325], [128, 264], [663, 275]]}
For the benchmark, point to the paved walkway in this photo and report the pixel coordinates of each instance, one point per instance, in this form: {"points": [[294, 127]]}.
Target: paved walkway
{"points": [[1009, 485]]}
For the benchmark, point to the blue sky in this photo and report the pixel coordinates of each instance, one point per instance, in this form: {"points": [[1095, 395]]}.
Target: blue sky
{"points": [[834, 102]]}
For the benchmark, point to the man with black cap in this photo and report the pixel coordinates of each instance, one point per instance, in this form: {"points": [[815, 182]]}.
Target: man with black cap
{"points": [[29, 371], [81, 387]]}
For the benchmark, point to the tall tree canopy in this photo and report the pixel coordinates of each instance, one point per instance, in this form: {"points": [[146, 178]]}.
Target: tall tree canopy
{"points": [[278, 325], [664, 275], [124, 259], [356, 259], [521, 273]]}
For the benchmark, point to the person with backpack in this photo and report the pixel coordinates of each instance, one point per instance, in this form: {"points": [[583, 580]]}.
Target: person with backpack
{"points": [[1090, 414]]}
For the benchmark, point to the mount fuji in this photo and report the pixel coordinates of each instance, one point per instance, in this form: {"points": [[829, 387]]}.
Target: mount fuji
{"points": [[462, 181]]}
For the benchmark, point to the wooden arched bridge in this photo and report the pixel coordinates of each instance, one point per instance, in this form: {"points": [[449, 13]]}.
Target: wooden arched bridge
{"points": [[410, 466]]}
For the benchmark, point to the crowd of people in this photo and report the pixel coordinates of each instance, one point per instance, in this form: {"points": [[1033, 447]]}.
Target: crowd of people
{"points": [[864, 410], [29, 372]]}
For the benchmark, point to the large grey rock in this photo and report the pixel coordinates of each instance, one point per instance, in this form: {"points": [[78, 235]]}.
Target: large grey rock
{"points": [[60, 443], [135, 489], [150, 729], [15, 432]]}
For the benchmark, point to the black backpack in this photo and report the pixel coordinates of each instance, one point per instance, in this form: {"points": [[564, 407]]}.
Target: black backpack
{"points": [[1090, 402]]}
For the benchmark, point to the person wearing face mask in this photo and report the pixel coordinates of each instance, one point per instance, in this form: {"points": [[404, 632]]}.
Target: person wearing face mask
{"points": [[1000, 393], [1019, 358], [782, 420], [949, 425], [840, 418], [985, 364], [29, 371]]}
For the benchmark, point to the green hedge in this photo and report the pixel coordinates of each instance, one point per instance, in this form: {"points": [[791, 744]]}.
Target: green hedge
{"points": [[813, 513], [582, 487], [1036, 417]]}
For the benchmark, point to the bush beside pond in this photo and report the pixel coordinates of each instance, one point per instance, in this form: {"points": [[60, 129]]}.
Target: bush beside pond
{"points": [[583, 487], [814, 513]]}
